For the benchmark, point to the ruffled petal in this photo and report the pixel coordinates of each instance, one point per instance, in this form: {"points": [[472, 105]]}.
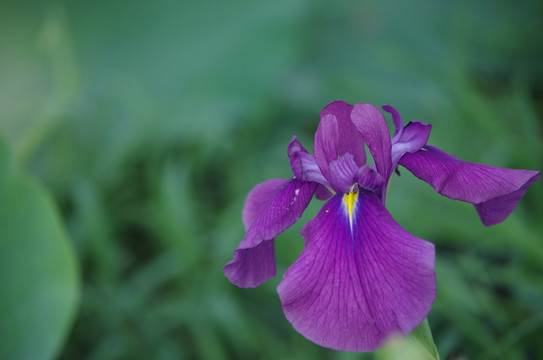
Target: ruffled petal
{"points": [[303, 164], [343, 173], [494, 191], [361, 277], [371, 123], [413, 137], [254, 259], [349, 140]]}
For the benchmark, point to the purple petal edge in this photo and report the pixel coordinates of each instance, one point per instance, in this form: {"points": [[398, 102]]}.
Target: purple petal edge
{"points": [[254, 259], [356, 284]]}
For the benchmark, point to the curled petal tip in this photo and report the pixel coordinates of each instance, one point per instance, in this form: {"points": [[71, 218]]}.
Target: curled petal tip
{"points": [[253, 266], [397, 119]]}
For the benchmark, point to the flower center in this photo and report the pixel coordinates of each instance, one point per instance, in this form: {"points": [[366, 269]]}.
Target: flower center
{"points": [[350, 201]]}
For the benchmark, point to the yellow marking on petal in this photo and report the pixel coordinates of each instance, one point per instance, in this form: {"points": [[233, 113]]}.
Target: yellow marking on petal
{"points": [[350, 202]]}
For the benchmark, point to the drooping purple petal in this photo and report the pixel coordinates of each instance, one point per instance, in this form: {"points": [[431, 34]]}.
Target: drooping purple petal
{"points": [[413, 137], [343, 173], [494, 191], [369, 179], [349, 141], [361, 277], [285, 201], [398, 122], [303, 164], [371, 123]]}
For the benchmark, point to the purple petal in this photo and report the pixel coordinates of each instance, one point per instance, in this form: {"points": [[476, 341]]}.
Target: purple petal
{"points": [[398, 122], [322, 193], [494, 191], [326, 143], [343, 172], [369, 179], [371, 123], [303, 164], [360, 279], [294, 150], [412, 139], [254, 260], [349, 140]]}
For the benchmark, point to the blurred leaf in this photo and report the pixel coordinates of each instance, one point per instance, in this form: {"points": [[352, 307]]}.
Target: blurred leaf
{"points": [[173, 213], [423, 335], [38, 274], [42, 79], [418, 345]]}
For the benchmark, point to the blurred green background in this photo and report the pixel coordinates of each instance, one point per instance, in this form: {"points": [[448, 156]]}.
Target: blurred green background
{"points": [[131, 133]]}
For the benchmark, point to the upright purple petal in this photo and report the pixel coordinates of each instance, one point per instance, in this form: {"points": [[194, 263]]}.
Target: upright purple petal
{"points": [[414, 136], [371, 123], [494, 191], [285, 201], [349, 141], [361, 277], [295, 148], [398, 122], [303, 164], [325, 148]]}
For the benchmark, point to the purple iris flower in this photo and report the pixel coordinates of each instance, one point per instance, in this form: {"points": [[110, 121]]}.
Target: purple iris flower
{"points": [[361, 277]]}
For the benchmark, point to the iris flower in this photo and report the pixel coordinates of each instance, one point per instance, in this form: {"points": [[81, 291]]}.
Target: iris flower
{"points": [[361, 277]]}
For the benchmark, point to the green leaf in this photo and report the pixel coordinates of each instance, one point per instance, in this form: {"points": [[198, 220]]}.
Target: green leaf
{"points": [[423, 335], [38, 273], [418, 345]]}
